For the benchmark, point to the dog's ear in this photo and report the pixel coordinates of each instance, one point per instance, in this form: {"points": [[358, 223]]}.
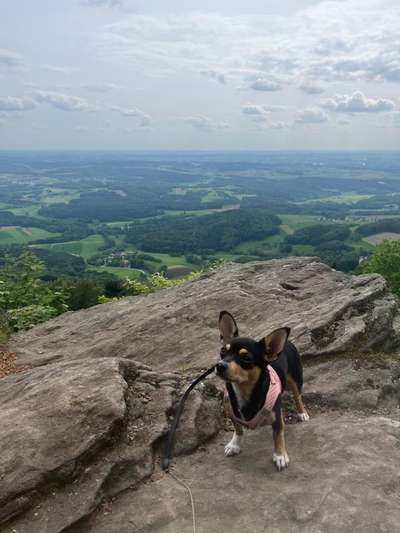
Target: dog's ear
{"points": [[274, 343], [227, 327]]}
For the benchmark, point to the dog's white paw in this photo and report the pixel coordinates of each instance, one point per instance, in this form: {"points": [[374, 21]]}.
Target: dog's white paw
{"points": [[280, 461], [232, 449], [303, 417]]}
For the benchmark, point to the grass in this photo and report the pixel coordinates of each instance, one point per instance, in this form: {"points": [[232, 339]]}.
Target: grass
{"points": [[57, 196], [344, 198], [85, 247], [29, 210], [291, 223], [17, 235], [119, 271], [380, 237], [173, 260]]}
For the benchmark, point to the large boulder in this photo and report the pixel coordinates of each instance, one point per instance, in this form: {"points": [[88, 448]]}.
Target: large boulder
{"points": [[74, 434], [83, 424], [328, 311]]}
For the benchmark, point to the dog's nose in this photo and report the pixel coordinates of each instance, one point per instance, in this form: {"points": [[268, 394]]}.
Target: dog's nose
{"points": [[221, 368]]}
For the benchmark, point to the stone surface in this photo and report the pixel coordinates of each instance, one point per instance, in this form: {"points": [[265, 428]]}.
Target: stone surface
{"points": [[81, 431], [343, 477], [175, 329], [76, 434]]}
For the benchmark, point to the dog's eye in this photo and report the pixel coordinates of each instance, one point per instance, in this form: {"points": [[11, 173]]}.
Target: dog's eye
{"points": [[223, 351]]}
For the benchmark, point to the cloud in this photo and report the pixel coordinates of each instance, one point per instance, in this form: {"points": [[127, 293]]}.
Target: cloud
{"points": [[265, 85], [102, 3], [144, 119], [102, 87], [64, 102], [204, 123], [59, 69], [9, 59], [260, 110], [11, 104], [357, 103], [214, 75], [311, 116], [311, 88], [324, 42]]}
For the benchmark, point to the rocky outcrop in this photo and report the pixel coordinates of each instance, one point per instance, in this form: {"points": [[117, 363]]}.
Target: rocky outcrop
{"points": [[328, 311], [76, 434], [81, 429]]}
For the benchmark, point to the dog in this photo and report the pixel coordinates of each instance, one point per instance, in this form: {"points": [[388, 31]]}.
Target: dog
{"points": [[256, 373]]}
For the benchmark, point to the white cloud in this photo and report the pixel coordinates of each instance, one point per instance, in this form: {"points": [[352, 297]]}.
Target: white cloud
{"points": [[259, 109], [12, 104], [203, 123], [214, 75], [64, 102], [143, 118], [59, 69], [331, 40], [102, 87], [311, 116], [343, 121], [9, 59], [265, 85], [311, 88], [102, 3], [356, 103]]}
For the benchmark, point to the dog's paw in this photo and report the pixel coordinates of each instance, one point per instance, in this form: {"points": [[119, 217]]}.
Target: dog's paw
{"points": [[280, 461], [232, 449], [303, 417]]}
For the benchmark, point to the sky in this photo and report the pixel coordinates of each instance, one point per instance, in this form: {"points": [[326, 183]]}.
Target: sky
{"points": [[205, 75]]}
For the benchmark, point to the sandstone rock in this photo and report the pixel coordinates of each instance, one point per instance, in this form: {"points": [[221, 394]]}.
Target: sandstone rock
{"points": [[328, 312], [75, 434], [81, 431], [343, 477]]}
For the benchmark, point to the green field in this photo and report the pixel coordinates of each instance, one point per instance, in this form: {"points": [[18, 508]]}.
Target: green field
{"points": [[57, 196], [380, 237], [86, 247], [17, 235], [345, 198], [119, 271]]}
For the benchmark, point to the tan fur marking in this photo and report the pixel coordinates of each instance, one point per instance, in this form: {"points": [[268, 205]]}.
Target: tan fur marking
{"points": [[300, 408], [279, 440], [243, 351], [238, 428], [237, 374]]}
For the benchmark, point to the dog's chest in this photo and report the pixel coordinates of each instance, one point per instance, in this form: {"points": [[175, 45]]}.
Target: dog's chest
{"points": [[241, 400]]}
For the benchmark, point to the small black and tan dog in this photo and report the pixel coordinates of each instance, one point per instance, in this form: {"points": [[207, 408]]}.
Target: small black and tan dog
{"points": [[256, 373]]}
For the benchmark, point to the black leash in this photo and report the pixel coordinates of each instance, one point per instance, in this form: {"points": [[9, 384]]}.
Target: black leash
{"points": [[169, 448]]}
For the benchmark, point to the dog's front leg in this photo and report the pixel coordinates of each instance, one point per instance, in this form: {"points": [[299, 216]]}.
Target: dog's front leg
{"points": [[233, 446], [280, 456]]}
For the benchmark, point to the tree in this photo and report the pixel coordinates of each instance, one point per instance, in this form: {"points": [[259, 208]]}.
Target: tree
{"points": [[385, 261]]}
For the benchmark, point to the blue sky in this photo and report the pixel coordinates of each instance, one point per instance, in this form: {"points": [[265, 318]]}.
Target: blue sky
{"points": [[151, 74]]}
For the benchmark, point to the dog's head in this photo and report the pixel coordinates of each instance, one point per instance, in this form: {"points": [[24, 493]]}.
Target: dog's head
{"points": [[241, 358]]}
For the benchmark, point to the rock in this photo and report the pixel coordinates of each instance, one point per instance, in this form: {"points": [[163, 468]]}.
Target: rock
{"points": [[329, 312], [343, 476], [82, 429], [75, 434], [351, 383]]}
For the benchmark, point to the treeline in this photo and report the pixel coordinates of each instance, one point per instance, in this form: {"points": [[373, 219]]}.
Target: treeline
{"points": [[72, 230], [380, 226], [319, 233], [139, 202], [204, 234]]}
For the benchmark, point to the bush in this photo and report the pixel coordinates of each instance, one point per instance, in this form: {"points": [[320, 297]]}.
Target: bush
{"points": [[385, 261]]}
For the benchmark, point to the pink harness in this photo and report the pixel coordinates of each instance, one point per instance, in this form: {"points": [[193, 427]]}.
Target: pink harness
{"points": [[264, 416]]}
